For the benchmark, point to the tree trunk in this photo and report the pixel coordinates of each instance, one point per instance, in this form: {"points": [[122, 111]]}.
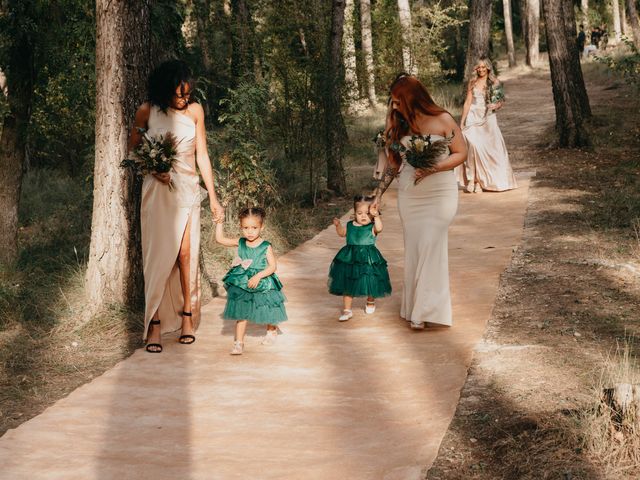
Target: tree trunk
{"points": [[367, 50], [243, 61], [508, 30], [19, 86], [532, 32], [479, 32], [615, 7], [335, 130], [351, 78], [202, 13], [624, 27], [633, 20], [584, 8], [114, 272], [404, 12], [569, 92]]}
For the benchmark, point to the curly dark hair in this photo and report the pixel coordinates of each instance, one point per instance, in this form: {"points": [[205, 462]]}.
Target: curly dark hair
{"points": [[164, 80], [253, 212]]}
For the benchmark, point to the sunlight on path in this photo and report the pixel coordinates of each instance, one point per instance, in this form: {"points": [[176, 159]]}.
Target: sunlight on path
{"points": [[367, 399]]}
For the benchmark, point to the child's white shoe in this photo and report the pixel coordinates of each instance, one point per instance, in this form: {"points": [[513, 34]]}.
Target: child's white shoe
{"points": [[237, 348], [270, 338], [346, 315], [370, 308]]}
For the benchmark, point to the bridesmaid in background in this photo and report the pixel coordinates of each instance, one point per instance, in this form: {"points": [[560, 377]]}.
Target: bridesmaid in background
{"points": [[427, 201], [170, 219], [487, 166]]}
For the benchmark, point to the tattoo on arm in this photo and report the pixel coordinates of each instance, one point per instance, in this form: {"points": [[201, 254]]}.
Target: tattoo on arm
{"points": [[389, 174]]}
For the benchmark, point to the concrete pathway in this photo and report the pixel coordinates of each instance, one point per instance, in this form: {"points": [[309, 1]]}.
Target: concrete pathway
{"points": [[367, 399]]}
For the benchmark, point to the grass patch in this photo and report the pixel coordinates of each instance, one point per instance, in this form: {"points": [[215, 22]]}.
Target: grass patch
{"points": [[609, 433]]}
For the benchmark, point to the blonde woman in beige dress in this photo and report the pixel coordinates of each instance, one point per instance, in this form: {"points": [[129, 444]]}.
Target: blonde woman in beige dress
{"points": [[427, 201], [170, 219], [487, 167]]}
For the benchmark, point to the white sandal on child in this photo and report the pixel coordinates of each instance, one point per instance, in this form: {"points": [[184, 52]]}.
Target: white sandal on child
{"points": [[270, 338], [237, 348], [346, 315], [370, 308]]}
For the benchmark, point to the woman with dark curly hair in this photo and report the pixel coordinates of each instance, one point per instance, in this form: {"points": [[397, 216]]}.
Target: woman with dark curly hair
{"points": [[170, 218]]}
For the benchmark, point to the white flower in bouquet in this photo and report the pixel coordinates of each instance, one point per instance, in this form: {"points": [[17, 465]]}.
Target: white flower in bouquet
{"points": [[153, 155]]}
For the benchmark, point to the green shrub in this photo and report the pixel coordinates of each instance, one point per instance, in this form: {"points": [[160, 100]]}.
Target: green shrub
{"points": [[245, 176], [627, 65]]}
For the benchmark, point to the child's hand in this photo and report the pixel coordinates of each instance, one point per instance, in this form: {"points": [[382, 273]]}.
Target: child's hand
{"points": [[373, 210], [336, 222], [254, 281]]}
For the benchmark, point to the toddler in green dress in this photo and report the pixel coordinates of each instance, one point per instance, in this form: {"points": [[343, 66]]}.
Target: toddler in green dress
{"points": [[359, 269], [253, 288]]}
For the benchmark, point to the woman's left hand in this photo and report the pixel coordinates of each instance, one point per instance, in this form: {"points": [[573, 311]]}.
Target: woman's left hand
{"points": [[422, 173], [218, 211], [254, 281]]}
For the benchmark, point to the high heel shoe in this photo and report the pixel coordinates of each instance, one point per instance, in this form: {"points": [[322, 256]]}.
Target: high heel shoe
{"points": [[153, 347], [187, 339]]}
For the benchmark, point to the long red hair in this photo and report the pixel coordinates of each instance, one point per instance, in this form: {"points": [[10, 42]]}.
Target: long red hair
{"points": [[414, 98]]}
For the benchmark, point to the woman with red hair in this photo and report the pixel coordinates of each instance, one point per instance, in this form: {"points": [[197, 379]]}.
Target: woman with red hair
{"points": [[427, 200]]}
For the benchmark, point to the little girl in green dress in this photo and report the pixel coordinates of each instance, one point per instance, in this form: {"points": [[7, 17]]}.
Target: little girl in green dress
{"points": [[253, 288], [359, 269]]}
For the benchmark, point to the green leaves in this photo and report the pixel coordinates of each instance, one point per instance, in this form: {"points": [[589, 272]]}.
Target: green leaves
{"points": [[628, 66], [245, 176]]}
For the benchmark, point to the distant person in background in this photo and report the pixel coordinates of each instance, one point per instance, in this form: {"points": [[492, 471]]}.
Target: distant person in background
{"points": [[596, 35], [593, 47], [582, 40], [604, 37], [487, 167]]}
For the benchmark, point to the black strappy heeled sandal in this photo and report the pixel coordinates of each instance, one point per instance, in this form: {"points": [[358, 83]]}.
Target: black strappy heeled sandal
{"points": [[187, 339], [154, 347]]}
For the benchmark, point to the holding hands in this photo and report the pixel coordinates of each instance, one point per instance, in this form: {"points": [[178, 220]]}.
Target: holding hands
{"points": [[218, 211]]}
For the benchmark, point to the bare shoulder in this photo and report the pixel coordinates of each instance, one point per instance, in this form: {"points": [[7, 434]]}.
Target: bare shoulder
{"points": [[447, 121], [196, 111], [143, 111]]}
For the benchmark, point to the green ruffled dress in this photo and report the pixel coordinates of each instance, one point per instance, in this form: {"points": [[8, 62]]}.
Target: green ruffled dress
{"points": [[263, 304], [359, 269]]}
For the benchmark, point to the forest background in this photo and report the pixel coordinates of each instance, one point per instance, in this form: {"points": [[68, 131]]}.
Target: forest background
{"points": [[294, 93]]}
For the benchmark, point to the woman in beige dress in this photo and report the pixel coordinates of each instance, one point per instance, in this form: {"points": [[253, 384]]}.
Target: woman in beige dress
{"points": [[487, 167], [427, 201], [170, 218]]}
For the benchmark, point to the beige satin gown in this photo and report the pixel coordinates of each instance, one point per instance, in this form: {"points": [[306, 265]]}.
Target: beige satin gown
{"points": [[488, 160], [426, 210], [164, 216]]}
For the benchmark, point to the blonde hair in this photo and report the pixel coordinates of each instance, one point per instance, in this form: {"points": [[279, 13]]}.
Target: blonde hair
{"points": [[491, 78]]}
